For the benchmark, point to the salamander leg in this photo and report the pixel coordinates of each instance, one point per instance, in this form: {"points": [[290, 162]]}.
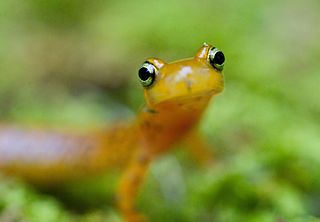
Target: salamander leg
{"points": [[130, 184], [199, 149]]}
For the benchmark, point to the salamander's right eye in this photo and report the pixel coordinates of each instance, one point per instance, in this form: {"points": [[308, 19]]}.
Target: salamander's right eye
{"points": [[147, 74]]}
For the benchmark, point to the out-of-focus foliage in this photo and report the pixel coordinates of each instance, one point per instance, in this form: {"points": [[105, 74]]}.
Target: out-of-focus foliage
{"points": [[73, 64]]}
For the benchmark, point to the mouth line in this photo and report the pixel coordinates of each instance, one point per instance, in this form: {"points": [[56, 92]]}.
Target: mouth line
{"points": [[191, 97]]}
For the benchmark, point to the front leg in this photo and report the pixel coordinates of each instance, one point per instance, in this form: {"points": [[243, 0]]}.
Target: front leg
{"points": [[199, 149], [129, 186]]}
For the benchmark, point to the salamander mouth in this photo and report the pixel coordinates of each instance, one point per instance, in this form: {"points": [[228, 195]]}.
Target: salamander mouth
{"points": [[188, 102], [194, 96]]}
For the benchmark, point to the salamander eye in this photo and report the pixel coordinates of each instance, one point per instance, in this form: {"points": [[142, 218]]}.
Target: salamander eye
{"points": [[216, 58], [147, 73]]}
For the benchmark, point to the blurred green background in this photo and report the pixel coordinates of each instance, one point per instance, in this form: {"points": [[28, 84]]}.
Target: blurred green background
{"points": [[73, 64]]}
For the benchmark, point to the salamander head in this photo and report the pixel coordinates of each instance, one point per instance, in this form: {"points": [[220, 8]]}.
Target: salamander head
{"points": [[189, 78]]}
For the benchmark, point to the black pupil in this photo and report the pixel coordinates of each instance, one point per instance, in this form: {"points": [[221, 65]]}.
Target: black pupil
{"points": [[218, 58], [144, 74]]}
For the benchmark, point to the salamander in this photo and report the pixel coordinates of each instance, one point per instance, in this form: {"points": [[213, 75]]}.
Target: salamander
{"points": [[176, 95]]}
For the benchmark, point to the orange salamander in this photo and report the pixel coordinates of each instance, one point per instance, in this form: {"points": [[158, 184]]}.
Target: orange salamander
{"points": [[176, 95]]}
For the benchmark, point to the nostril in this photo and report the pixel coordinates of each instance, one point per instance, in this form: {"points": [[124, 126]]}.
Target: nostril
{"points": [[189, 84]]}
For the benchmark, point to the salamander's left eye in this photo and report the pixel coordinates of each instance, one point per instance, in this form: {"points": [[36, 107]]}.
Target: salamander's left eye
{"points": [[216, 58], [147, 74]]}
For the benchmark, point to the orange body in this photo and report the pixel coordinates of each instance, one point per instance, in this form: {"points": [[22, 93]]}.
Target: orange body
{"points": [[176, 95], [33, 154]]}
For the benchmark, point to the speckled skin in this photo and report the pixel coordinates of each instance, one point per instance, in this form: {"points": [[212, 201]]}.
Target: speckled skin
{"points": [[174, 104]]}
